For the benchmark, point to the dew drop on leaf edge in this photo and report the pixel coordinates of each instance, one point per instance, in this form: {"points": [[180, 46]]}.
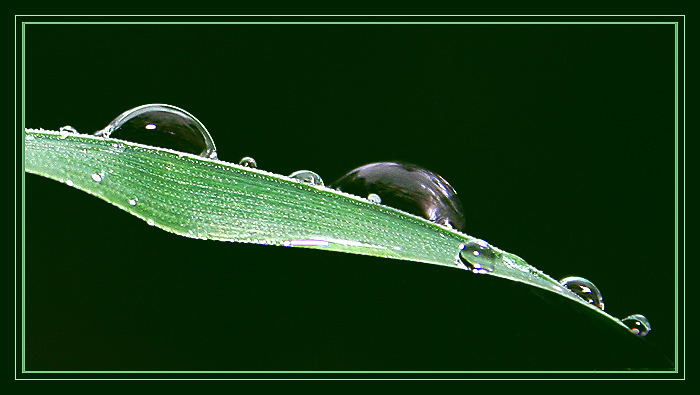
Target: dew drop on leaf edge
{"points": [[584, 289], [307, 177], [406, 187], [637, 324], [478, 256], [164, 126]]}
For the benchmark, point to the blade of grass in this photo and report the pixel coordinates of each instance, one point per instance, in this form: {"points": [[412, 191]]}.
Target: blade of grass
{"points": [[210, 199]]}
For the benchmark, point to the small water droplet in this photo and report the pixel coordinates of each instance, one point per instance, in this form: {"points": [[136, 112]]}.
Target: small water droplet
{"points": [[374, 198], [118, 147], [584, 289], [247, 161], [638, 324], [67, 129], [28, 138], [408, 188], [151, 222], [134, 201], [164, 126], [307, 176], [478, 256], [69, 182], [96, 177]]}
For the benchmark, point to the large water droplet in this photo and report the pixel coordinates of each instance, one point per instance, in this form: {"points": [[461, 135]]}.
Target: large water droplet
{"points": [[584, 289], [247, 161], [638, 324], [408, 188], [164, 126], [478, 256], [307, 176]]}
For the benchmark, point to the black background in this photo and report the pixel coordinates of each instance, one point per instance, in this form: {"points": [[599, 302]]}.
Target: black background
{"points": [[558, 138]]}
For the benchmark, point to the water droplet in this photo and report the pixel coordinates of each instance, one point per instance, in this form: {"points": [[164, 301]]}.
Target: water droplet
{"points": [[638, 324], [478, 256], [164, 126], [28, 138], [134, 201], [69, 182], [118, 147], [374, 198], [408, 188], [584, 289], [96, 177], [67, 129], [151, 222], [307, 176], [247, 161]]}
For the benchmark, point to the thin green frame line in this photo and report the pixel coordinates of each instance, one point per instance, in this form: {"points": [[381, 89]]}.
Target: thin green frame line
{"points": [[343, 371], [675, 192], [675, 370], [345, 379], [351, 15], [341, 23], [683, 197], [24, 288]]}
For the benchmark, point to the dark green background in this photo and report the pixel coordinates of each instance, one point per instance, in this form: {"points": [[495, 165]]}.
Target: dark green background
{"points": [[558, 138]]}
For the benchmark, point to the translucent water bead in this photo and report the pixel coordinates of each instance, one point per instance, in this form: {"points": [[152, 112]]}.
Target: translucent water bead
{"points": [[164, 126], [584, 289], [408, 188]]}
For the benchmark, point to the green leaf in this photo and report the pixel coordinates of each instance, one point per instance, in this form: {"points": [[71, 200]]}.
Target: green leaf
{"points": [[209, 199]]}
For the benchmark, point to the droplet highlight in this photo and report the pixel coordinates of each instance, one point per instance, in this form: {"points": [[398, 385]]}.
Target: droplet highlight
{"points": [[584, 289], [96, 177], [478, 256], [637, 324], [406, 187], [133, 201], [164, 126], [307, 177], [247, 161]]}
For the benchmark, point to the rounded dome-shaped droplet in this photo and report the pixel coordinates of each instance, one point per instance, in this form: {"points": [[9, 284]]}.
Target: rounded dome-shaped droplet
{"points": [[67, 129], [247, 161], [307, 176], [408, 188], [374, 198], [164, 126], [584, 289], [638, 324], [478, 256]]}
